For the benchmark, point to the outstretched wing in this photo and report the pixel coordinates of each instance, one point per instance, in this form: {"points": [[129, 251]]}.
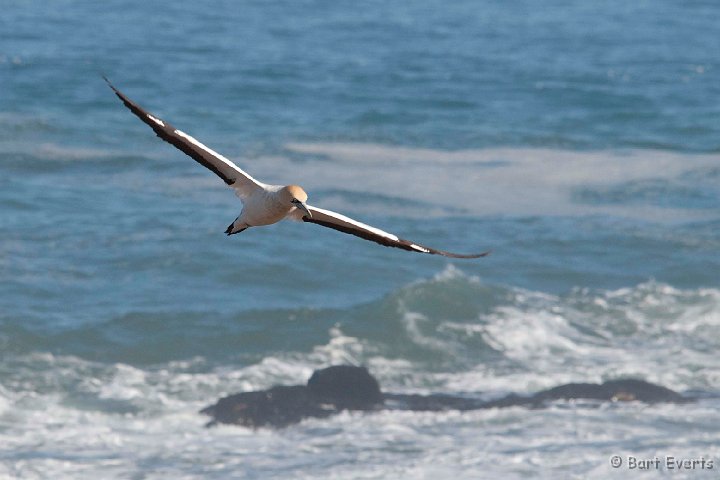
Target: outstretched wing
{"points": [[344, 224], [231, 174]]}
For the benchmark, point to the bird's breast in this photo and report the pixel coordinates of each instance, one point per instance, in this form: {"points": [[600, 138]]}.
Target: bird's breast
{"points": [[264, 210]]}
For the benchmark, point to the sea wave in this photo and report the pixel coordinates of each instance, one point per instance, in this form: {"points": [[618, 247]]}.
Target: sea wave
{"points": [[67, 410], [423, 334]]}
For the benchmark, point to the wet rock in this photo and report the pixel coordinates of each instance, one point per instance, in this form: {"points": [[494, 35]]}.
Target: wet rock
{"points": [[346, 387], [330, 390], [614, 390], [337, 388]]}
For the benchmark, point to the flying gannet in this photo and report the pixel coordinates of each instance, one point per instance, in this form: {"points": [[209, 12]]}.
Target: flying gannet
{"points": [[267, 204]]}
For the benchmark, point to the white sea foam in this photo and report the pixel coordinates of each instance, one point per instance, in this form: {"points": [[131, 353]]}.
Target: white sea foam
{"points": [[52, 151], [424, 182], [513, 181], [654, 332], [531, 340]]}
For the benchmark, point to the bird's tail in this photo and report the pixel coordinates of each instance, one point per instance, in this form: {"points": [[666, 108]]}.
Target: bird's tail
{"points": [[231, 229]]}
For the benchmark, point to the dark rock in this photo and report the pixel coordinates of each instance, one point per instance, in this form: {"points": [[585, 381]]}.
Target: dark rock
{"points": [[346, 387], [330, 390], [623, 390], [614, 390], [339, 388], [431, 403], [276, 407]]}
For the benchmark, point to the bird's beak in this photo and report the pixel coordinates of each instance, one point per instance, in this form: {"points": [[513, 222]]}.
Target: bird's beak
{"points": [[303, 207]]}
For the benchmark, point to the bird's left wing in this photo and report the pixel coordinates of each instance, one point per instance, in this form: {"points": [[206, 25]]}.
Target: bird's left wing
{"points": [[231, 174], [344, 224]]}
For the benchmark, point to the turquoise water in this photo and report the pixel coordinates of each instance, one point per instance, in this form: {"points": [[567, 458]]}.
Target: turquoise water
{"points": [[579, 142]]}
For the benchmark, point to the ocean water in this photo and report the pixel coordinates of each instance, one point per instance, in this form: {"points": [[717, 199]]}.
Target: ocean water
{"points": [[580, 141]]}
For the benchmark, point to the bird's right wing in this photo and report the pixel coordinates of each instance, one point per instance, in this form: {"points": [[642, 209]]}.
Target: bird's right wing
{"points": [[344, 224], [231, 174]]}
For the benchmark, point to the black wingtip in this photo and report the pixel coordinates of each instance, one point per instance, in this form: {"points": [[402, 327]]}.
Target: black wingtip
{"points": [[108, 82], [460, 255], [119, 94]]}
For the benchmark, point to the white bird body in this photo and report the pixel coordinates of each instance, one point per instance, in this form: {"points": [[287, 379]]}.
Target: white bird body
{"points": [[267, 204], [263, 207]]}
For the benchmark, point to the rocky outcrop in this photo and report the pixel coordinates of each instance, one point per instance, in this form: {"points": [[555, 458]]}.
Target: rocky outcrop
{"points": [[330, 390], [334, 389]]}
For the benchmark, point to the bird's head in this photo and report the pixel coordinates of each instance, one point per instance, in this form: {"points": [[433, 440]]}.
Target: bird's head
{"points": [[297, 197]]}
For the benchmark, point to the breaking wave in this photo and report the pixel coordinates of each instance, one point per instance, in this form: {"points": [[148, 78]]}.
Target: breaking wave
{"points": [[135, 396]]}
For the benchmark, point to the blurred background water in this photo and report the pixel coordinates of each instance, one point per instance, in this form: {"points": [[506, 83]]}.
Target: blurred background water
{"points": [[579, 141]]}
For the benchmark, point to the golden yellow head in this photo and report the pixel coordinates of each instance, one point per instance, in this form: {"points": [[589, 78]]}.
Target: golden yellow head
{"points": [[295, 192], [296, 196]]}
